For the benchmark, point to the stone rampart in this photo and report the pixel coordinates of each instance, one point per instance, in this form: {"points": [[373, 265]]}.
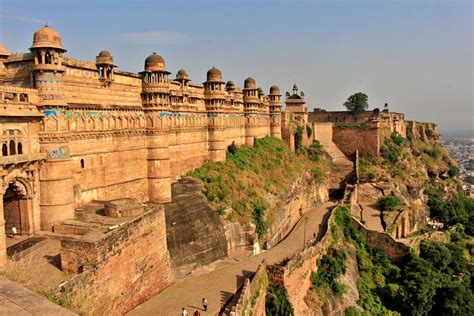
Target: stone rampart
{"points": [[123, 267]]}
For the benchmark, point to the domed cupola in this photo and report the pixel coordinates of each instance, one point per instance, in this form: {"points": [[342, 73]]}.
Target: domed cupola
{"points": [[47, 37], [105, 64], [155, 62], [214, 75]]}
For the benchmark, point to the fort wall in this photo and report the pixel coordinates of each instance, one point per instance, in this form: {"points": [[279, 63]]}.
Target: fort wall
{"points": [[140, 251]]}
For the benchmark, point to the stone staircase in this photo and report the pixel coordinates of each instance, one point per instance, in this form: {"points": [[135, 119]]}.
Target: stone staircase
{"points": [[342, 168]]}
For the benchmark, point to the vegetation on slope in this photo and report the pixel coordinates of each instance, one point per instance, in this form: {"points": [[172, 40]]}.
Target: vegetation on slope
{"points": [[249, 175], [437, 282]]}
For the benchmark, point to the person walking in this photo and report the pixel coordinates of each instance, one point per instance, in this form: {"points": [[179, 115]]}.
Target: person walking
{"points": [[14, 231], [204, 304], [197, 313], [184, 312]]}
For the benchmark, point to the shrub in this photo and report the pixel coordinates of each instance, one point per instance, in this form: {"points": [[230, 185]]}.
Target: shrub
{"points": [[318, 176], [330, 267], [277, 302], [397, 138], [309, 131], [232, 148], [259, 207], [315, 151], [453, 171], [389, 203], [299, 138]]}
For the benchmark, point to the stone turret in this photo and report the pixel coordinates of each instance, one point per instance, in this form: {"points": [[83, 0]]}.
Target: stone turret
{"points": [[215, 98], [156, 101], [275, 111], [295, 105], [155, 83], [105, 66], [56, 181], [252, 105]]}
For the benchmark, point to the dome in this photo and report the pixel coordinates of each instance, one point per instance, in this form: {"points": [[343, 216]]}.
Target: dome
{"points": [[274, 90], [154, 62], [250, 83], [4, 51], [105, 57], [214, 74], [105, 53], [182, 75], [260, 91], [46, 37]]}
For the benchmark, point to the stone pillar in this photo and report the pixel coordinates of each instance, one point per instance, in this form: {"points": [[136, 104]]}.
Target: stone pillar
{"points": [[3, 241], [217, 148], [159, 170], [250, 130], [56, 184]]}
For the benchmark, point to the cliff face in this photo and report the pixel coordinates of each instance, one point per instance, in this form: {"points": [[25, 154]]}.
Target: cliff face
{"points": [[327, 303], [407, 168]]}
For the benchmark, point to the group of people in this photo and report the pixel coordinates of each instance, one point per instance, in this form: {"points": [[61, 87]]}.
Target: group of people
{"points": [[184, 312]]}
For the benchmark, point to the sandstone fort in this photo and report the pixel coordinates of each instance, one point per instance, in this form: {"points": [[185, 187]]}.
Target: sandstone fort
{"points": [[77, 132]]}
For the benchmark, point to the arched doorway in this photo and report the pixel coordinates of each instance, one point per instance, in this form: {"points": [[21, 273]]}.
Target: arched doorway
{"points": [[16, 202], [12, 210]]}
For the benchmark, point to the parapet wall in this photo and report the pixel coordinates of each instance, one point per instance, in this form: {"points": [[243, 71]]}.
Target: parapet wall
{"points": [[125, 267]]}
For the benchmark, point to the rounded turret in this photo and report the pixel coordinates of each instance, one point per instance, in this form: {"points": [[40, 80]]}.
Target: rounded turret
{"points": [[4, 51], [182, 75], [250, 83], [214, 75], [274, 90]]}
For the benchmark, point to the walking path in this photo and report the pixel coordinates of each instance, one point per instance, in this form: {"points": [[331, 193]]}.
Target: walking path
{"points": [[18, 300], [219, 285]]}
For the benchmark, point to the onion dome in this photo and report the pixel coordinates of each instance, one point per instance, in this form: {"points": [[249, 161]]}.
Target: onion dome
{"points": [[154, 62], [274, 90], [46, 37], [214, 74], [260, 91], [104, 57], [182, 75], [4, 51], [250, 83], [230, 84]]}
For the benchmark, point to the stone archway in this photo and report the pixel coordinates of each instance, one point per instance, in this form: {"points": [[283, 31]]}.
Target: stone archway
{"points": [[17, 207]]}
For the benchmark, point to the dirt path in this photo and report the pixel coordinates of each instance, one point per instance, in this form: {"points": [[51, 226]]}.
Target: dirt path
{"points": [[219, 285]]}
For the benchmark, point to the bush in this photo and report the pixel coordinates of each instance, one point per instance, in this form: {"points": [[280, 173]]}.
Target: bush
{"points": [[318, 176], [232, 148], [453, 171], [309, 131], [330, 267], [259, 207], [277, 302], [389, 203], [397, 138], [315, 151]]}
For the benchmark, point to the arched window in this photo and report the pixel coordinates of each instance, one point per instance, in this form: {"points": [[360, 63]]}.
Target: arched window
{"points": [[20, 149], [82, 164], [48, 58], [4, 150], [12, 148]]}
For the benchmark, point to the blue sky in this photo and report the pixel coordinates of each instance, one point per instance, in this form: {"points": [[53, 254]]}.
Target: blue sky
{"points": [[417, 55]]}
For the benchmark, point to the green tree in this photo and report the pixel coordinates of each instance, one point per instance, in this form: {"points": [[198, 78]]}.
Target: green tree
{"points": [[389, 203], [357, 103]]}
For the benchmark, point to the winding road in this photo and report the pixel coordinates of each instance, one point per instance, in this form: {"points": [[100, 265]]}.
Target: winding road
{"points": [[219, 285]]}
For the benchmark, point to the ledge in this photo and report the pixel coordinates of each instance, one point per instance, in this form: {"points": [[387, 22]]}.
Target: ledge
{"points": [[8, 160]]}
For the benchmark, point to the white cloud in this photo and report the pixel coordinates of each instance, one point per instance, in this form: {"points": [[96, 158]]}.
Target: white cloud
{"points": [[156, 37], [23, 19]]}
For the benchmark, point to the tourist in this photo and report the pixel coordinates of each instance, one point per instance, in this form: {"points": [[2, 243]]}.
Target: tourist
{"points": [[197, 313], [184, 312], [204, 304], [14, 231]]}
